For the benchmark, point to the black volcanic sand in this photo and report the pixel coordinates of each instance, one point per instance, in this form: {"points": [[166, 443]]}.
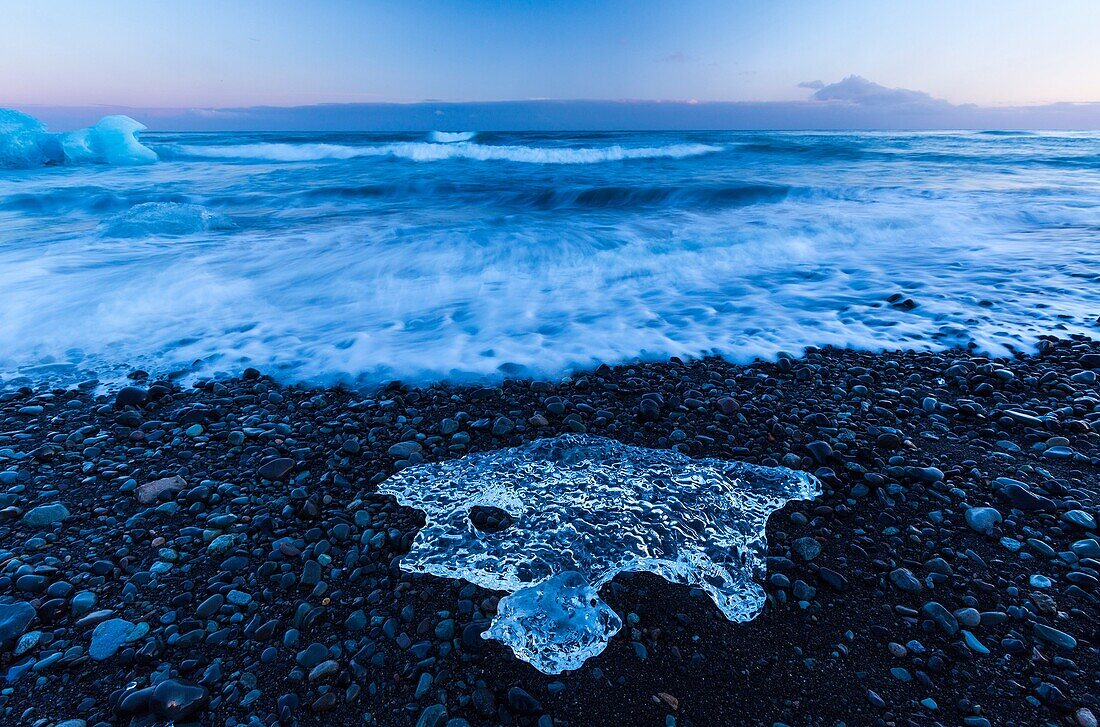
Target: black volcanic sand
{"points": [[263, 585]]}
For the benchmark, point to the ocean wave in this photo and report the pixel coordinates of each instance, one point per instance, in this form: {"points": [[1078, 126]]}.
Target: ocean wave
{"points": [[429, 152], [1005, 132], [166, 219], [559, 198], [450, 137], [644, 197], [25, 143], [86, 199], [816, 148], [388, 268]]}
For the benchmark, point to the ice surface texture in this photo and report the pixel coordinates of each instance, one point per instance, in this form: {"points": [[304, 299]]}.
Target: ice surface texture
{"points": [[585, 509], [24, 143], [166, 218]]}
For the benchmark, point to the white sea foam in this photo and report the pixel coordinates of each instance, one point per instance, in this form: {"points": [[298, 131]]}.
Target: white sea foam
{"points": [[388, 268], [431, 152]]}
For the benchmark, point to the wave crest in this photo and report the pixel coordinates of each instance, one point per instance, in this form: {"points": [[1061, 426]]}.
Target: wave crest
{"points": [[429, 152], [450, 137]]}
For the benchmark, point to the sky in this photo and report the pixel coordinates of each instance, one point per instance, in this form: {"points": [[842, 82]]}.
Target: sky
{"points": [[236, 54]]}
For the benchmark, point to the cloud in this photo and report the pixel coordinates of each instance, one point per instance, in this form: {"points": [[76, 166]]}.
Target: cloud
{"points": [[811, 84], [850, 104], [861, 92], [216, 113]]}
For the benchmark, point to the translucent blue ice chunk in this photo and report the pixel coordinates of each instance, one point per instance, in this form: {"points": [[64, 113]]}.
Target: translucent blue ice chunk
{"points": [[113, 140], [583, 510], [167, 218], [556, 624], [20, 140], [25, 143]]}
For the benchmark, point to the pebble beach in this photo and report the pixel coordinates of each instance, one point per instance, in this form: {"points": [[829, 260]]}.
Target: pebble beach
{"points": [[215, 553]]}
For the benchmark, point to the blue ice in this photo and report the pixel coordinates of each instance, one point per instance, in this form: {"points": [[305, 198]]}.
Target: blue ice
{"points": [[25, 142], [585, 509]]}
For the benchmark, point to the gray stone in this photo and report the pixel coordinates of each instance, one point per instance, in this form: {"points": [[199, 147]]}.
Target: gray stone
{"points": [[404, 449], [1056, 637], [14, 619], [941, 617], [807, 548], [904, 579], [983, 519], [820, 451], [150, 492], [108, 637], [1080, 518], [44, 515]]}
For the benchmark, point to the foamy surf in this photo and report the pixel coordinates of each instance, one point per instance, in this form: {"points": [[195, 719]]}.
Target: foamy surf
{"points": [[377, 266], [436, 152], [450, 137]]}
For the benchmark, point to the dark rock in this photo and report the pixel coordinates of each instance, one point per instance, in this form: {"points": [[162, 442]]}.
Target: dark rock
{"points": [[177, 700], [503, 426], [14, 619], [833, 579], [820, 451], [44, 515], [520, 702], [941, 617], [904, 579], [275, 469], [130, 396], [433, 716]]}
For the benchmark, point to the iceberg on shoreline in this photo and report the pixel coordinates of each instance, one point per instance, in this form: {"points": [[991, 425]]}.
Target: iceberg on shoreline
{"points": [[584, 509], [25, 143]]}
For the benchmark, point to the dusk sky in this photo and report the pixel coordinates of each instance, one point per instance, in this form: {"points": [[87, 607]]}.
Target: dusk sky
{"points": [[780, 64], [207, 53]]}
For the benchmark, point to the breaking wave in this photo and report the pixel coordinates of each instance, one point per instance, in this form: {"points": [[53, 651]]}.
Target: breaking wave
{"points": [[576, 197], [623, 198], [450, 137], [385, 267], [430, 152]]}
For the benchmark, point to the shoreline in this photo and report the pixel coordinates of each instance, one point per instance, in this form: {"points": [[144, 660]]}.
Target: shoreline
{"points": [[274, 500]]}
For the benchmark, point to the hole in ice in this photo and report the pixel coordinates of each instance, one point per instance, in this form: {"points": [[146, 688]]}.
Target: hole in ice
{"points": [[581, 510], [488, 519]]}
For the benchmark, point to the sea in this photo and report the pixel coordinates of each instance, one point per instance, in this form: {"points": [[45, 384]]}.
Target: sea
{"points": [[471, 256]]}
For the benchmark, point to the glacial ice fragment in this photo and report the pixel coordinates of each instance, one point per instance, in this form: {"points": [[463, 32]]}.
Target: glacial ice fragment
{"points": [[113, 140], [584, 509], [25, 143], [20, 137], [555, 624], [167, 218]]}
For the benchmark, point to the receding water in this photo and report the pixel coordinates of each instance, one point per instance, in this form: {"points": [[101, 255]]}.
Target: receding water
{"points": [[363, 257]]}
